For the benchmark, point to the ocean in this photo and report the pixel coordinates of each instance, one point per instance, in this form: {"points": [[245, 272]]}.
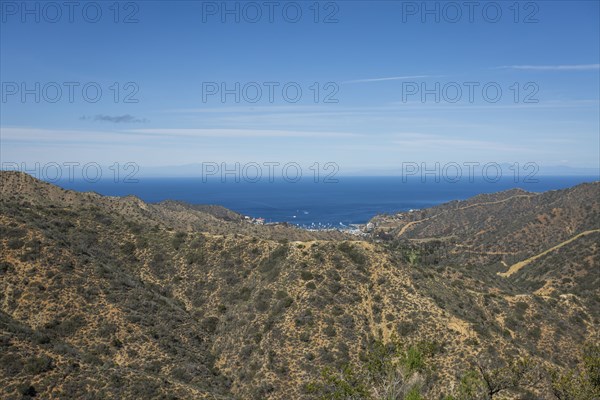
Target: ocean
{"points": [[352, 200]]}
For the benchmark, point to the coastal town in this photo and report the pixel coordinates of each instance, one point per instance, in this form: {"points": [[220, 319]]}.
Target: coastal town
{"points": [[353, 229]]}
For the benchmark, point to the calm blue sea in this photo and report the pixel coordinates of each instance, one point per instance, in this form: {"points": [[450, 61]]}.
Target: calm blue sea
{"points": [[352, 200]]}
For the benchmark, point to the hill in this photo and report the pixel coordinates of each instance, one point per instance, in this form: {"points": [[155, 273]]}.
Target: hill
{"points": [[108, 297]]}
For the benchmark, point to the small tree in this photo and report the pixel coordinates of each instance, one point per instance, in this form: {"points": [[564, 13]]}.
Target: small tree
{"points": [[388, 371], [582, 383], [469, 387], [498, 376]]}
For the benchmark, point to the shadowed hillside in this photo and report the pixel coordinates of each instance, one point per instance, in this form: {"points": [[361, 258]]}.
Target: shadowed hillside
{"points": [[108, 297]]}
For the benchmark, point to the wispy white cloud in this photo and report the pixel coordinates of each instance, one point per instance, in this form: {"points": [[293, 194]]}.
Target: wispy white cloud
{"points": [[574, 103], [60, 136], [392, 78], [250, 109], [237, 133], [574, 67], [117, 119], [428, 141], [26, 134]]}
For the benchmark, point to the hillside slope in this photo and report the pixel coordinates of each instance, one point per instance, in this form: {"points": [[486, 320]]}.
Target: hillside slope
{"points": [[115, 298]]}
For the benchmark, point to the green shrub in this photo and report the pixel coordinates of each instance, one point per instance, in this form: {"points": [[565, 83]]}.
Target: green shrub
{"points": [[469, 386], [6, 267], [15, 243], [37, 365], [414, 394], [405, 328], [413, 360], [306, 275], [345, 384], [329, 331], [352, 253], [178, 240], [263, 300], [210, 324]]}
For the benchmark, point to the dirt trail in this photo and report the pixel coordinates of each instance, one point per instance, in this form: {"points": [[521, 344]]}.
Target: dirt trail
{"points": [[516, 267], [405, 227], [496, 202], [408, 225]]}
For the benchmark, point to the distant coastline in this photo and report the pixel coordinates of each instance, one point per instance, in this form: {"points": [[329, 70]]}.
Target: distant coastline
{"points": [[341, 206]]}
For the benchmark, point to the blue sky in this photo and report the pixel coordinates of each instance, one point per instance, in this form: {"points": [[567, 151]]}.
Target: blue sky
{"points": [[371, 58]]}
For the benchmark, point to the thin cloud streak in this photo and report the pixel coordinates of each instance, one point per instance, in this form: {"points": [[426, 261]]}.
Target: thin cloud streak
{"points": [[344, 111], [248, 109], [576, 67], [26, 134], [238, 133], [392, 78], [462, 144], [117, 119]]}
